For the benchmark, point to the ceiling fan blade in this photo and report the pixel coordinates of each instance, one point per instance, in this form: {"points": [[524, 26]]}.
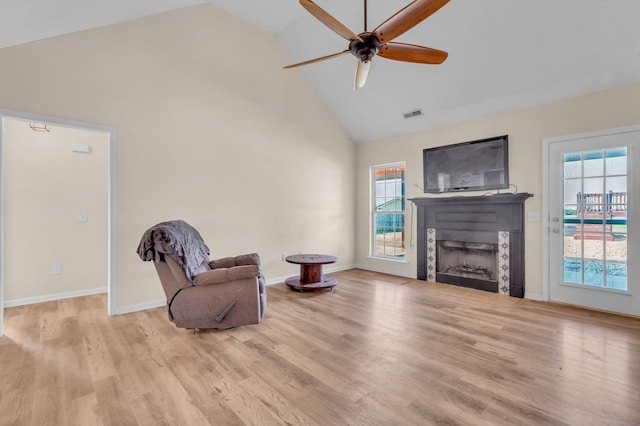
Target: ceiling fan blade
{"points": [[407, 18], [362, 72], [329, 20], [412, 53], [311, 61]]}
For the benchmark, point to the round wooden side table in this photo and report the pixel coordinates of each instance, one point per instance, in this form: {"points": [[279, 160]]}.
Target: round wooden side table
{"points": [[311, 278]]}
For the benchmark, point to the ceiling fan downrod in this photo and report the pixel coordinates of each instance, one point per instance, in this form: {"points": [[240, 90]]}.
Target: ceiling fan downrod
{"points": [[365, 16]]}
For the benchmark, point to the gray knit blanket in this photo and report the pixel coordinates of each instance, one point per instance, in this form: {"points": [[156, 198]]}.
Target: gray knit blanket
{"points": [[178, 240]]}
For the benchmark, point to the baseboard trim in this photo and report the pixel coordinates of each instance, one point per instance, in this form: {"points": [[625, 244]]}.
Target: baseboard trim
{"points": [[534, 296], [386, 271], [121, 310], [274, 281], [49, 297]]}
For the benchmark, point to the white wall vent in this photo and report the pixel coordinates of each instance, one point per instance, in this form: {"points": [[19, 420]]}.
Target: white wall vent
{"points": [[414, 113]]}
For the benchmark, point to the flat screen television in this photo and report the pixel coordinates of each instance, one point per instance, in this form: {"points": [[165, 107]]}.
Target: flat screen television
{"points": [[468, 166]]}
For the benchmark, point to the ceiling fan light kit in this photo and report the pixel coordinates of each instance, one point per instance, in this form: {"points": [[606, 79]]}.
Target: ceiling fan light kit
{"points": [[366, 45]]}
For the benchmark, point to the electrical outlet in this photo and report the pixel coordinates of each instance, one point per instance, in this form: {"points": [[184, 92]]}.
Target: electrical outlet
{"points": [[56, 269], [283, 256]]}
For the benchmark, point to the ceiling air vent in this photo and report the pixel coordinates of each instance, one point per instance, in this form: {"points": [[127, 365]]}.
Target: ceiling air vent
{"points": [[414, 113]]}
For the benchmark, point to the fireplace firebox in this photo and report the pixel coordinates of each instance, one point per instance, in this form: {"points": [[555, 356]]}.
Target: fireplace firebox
{"points": [[475, 242], [466, 259]]}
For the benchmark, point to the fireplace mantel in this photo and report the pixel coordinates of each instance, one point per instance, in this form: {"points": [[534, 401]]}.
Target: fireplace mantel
{"points": [[519, 197], [476, 219]]}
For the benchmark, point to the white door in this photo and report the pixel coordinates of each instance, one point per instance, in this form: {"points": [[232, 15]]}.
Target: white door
{"points": [[593, 221]]}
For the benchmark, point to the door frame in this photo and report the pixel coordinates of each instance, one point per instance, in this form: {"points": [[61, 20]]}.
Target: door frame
{"points": [[111, 198], [546, 195]]}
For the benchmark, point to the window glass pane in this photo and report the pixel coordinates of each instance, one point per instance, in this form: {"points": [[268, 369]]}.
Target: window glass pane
{"points": [[617, 247], [616, 161], [593, 273], [593, 164], [592, 219], [616, 276], [616, 184], [393, 174], [385, 238], [572, 165], [398, 244], [572, 271], [592, 194], [572, 243], [572, 187], [571, 212], [379, 246], [593, 246]]}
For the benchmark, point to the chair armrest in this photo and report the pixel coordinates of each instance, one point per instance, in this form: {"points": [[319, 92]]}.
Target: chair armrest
{"points": [[223, 275], [228, 262]]}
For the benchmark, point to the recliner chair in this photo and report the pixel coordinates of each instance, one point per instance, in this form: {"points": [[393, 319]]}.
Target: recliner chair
{"points": [[222, 293]]}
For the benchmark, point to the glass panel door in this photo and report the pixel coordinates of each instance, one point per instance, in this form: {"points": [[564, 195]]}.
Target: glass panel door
{"points": [[593, 215]]}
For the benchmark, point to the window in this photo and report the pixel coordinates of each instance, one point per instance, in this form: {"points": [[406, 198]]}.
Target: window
{"points": [[595, 218], [388, 211]]}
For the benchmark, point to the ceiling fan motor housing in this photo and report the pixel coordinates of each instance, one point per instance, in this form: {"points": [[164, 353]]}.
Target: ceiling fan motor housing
{"points": [[366, 49]]}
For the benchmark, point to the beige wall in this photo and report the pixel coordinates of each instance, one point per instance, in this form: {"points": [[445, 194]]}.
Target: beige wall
{"points": [[210, 129], [526, 129], [46, 186]]}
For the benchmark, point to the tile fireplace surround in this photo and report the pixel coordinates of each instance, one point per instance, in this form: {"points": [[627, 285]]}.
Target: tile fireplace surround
{"points": [[475, 241]]}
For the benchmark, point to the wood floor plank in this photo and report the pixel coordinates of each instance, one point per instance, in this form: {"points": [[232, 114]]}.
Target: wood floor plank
{"points": [[378, 349], [82, 411], [17, 382]]}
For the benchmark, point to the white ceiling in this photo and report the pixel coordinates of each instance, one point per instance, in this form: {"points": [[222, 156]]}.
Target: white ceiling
{"points": [[503, 54]]}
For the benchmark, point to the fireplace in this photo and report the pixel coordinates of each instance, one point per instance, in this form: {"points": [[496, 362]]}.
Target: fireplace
{"points": [[469, 260], [475, 242]]}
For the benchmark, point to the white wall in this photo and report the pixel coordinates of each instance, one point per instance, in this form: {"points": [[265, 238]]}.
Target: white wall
{"points": [[526, 128], [46, 186], [210, 129]]}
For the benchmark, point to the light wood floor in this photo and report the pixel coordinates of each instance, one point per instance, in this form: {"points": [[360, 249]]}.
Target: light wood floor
{"points": [[378, 350]]}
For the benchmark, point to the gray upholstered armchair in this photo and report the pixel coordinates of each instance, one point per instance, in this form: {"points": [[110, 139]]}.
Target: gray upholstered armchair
{"points": [[220, 294]]}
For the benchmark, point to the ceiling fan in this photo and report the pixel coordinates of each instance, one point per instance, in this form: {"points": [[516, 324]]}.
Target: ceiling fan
{"points": [[368, 44]]}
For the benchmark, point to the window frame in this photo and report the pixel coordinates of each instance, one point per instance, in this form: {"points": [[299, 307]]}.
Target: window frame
{"points": [[374, 212]]}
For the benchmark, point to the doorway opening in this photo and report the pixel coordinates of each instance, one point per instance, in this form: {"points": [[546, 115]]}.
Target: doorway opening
{"points": [[56, 209]]}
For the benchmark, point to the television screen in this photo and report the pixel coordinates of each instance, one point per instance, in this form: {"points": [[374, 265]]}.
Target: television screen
{"points": [[468, 166]]}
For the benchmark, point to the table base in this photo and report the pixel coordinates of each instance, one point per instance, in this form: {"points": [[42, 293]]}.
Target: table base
{"points": [[327, 283]]}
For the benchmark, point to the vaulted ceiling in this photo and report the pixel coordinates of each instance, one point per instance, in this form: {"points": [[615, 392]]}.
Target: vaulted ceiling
{"points": [[503, 54]]}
